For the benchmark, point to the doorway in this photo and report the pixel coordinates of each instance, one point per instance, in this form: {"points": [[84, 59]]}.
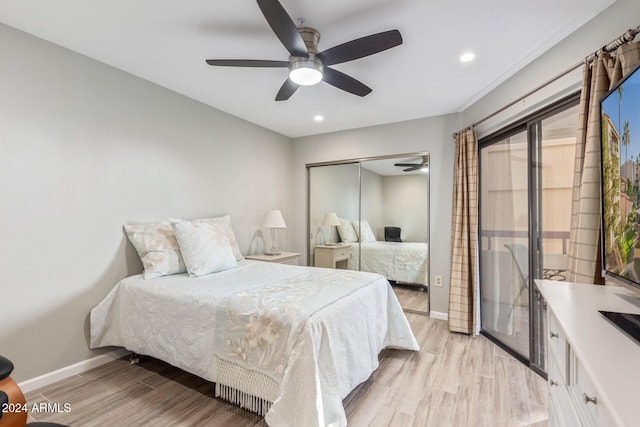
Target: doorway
{"points": [[526, 180]]}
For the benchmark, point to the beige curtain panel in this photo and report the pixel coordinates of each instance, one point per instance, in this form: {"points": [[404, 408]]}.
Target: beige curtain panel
{"points": [[584, 240], [464, 235]]}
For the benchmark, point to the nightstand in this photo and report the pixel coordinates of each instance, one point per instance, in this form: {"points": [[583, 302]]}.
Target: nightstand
{"points": [[337, 256], [290, 258]]}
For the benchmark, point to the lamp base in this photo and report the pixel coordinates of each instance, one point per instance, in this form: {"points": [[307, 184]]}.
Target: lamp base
{"points": [[273, 253]]}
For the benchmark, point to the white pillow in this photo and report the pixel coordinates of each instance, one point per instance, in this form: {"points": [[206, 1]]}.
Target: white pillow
{"points": [[204, 246], [366, 234], [346, 231], [225, 222], [157, 248]]}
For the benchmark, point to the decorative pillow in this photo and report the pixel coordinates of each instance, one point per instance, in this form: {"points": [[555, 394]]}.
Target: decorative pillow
{"points": [[346, 231], [157, 247], [366, 234], [204, 246], [225, 222]]}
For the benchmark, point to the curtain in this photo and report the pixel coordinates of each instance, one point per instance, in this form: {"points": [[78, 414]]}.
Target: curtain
{"points": [[464, 235], [583, 252]]}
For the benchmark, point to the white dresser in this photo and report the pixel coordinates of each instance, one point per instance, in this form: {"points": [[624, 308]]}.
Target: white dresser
{"points": [[593, 367]]}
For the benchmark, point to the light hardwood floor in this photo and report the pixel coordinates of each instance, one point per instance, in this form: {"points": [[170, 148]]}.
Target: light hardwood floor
{"points": [[454, 380], [412, 299]]}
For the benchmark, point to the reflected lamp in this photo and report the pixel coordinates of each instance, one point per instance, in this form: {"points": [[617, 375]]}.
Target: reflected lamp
{"points": [[330, 220]]}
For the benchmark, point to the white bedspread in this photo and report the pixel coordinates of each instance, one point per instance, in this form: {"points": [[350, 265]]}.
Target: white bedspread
{"points": [[400, 261], [253, 317]]}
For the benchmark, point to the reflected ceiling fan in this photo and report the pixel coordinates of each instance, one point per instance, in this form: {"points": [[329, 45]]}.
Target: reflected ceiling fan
{"points": [[410, 167], [307, 66]]}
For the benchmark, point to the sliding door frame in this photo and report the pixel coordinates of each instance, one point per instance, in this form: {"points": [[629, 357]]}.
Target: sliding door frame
{"points": [[532, 125]]}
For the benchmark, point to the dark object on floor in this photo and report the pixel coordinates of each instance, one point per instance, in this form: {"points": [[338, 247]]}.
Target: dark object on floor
{"points": [[11, 397]]}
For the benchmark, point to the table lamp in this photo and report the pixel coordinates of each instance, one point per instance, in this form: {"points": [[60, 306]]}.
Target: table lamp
{"points": [[330, 220], [272, 220]]}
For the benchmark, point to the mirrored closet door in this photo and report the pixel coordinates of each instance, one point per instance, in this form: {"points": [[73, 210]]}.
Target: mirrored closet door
{"points": [[373, 215]]}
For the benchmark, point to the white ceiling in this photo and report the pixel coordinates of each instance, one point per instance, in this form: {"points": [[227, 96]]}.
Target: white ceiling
{"points": [[167, 41]]}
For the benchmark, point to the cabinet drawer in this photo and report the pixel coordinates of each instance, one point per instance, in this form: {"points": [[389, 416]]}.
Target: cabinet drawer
{"points": [[558, 348], [587, 400], [560, 404], [342, 253]]}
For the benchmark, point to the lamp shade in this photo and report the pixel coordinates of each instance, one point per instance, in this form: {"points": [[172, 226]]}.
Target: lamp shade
{"points": [[273, 219], [330, 219]]}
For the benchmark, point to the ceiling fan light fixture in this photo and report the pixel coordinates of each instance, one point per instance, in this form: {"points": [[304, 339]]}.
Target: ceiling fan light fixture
{"points": [[305, 71]]}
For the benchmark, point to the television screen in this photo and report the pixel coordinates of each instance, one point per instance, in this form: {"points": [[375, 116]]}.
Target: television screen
{"points": [[620, 155]]}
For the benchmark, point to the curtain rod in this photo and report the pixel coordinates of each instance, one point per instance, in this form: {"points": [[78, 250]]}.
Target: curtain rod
{"points": [[628, 36]]}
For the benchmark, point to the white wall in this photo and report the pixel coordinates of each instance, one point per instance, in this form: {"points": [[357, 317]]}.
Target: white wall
{"points": [[86, 148], [431, 134]]}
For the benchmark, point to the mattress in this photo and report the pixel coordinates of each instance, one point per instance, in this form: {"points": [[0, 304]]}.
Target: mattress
{"points": [[400, 261], [296, 337]]}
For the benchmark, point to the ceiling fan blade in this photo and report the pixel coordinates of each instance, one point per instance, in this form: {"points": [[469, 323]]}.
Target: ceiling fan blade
{"points": [[247, 63], [406, 164], [286, 90], [359, 48], [345, 82], [282, 25], [415, 168]]}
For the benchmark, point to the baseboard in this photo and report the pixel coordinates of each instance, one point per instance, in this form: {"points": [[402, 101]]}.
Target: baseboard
{"points": [[438, 315], [77, 368]]}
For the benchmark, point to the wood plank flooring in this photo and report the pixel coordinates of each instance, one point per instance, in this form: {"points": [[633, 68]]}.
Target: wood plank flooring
{"points": [[454, 380], [412, 299]]}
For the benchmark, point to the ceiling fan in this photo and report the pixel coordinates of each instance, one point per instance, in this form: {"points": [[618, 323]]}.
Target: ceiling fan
{"points": [[307, 66], [423, 165]]}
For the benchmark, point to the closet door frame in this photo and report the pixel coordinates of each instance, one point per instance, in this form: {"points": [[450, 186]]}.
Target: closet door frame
{"points": [[311, 233]]}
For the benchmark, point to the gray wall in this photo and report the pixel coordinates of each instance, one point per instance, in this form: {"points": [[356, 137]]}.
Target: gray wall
{"points": [[373, 201], [87, 148], [431, 134], [323, 184], [608, 25], [406, 204]]}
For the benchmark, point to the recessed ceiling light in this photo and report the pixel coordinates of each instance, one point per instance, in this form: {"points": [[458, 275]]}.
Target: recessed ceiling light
{"points": [[467, 57], [318, 118]]}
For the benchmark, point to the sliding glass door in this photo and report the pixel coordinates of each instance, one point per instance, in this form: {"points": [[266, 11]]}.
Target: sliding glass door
{"points": [[504, 224], [526, 177], [553, 144]]}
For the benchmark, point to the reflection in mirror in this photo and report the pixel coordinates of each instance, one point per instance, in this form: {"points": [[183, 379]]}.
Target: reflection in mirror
{"points": [[332, 189], [394, 227], [382, 206]]}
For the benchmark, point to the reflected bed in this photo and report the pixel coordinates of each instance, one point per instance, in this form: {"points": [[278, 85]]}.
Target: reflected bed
{"points": [[405, 262]]}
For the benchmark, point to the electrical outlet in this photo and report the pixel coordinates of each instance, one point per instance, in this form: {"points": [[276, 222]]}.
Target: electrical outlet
{"points": [[439, 281]]}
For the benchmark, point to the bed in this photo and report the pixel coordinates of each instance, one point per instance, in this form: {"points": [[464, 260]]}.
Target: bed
{"points": [[406, 262], [289, 341]]}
